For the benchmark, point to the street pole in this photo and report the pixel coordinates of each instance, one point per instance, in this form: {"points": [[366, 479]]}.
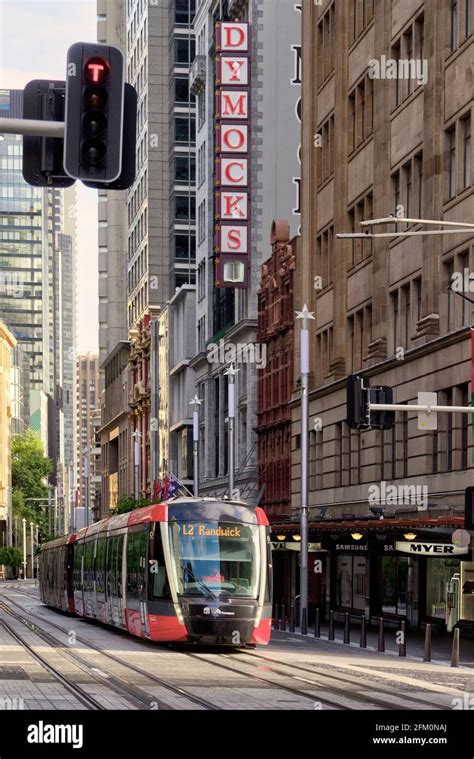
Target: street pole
{"points": [[55, 510], [195, 403], [24, 548], [15, 519], [32, 542], [86, 488], [136, 461], [50, 527], [304, 316], [33, 128], [230, 373]]}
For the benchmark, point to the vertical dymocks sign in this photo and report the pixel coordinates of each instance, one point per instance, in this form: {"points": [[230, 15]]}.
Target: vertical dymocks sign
{"points": [[232, 114]]}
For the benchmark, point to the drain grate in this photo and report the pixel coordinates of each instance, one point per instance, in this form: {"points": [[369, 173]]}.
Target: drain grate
{"points": [[12, 673]]}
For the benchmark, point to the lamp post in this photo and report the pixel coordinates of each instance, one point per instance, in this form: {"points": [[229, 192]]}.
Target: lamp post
{"points": [[86, 487], [230, 373], [32, 543], [195, 403], [24, 548], [136, 461], [304, 316]]}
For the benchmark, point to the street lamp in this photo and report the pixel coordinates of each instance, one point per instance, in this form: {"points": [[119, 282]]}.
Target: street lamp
{"points": [[137, 436], [195, 403], [304, 316], [32, 543], [24, 548], [230, 373]]}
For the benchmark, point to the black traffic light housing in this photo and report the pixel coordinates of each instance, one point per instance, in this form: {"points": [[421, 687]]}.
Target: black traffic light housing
{"points": [[129, 151], [381, 420], [357, 402], [469, 508], [359, 395], [94, 112], [43, 100]]}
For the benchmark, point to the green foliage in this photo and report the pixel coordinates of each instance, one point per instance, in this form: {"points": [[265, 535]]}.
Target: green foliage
{"points": [[29, 465], [30, 469], [10, 557], [128, 503]]}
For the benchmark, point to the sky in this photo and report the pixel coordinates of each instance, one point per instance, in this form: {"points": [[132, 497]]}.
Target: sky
{"points": [[34, 38]]}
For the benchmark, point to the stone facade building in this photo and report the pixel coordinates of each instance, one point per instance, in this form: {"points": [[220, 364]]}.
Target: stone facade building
{"points": [[374, 145]]}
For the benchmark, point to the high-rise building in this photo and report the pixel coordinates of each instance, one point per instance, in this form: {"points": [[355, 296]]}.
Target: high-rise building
{"points": [[20, 374], [87, 395], [7, 344], [386, 129], [112, 216], [255, 171]]}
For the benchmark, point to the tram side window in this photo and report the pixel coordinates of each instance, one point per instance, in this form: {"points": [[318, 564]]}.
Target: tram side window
{"points": [[133, 561], [111, 564], [157, 580], [77, 566], [100, 566], [119, 564], [88, 565]]}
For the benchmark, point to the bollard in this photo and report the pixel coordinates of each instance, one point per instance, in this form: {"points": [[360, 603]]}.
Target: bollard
{"points": [[402, 647], [283, 618], [304, 623], [347, 629], [363, 632], [292, 617], [331, 626], [381, 645], [455, 653], [317, 625], [427, 648]]}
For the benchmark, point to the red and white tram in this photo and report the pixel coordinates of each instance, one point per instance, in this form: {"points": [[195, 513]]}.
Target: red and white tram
{"points": [[189, 570]]}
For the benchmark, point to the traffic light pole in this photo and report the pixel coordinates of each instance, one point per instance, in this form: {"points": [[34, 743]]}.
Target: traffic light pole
{"points": [[32, 128], [407, 407]]}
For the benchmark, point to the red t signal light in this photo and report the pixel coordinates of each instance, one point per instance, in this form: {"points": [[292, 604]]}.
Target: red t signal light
{"points": [[96, 69]]}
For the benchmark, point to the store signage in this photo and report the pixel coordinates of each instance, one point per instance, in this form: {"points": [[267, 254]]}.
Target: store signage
{"points": [[430, 549], [232, 116]]}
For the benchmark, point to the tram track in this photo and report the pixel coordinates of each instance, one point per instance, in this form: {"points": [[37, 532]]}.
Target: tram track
{"points": [[176, 690], [349, 681], [140, 698], [84, 698]]}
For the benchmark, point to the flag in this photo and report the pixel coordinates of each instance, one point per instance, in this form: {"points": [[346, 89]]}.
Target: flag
{"points": [[166, 488], [173, 488], [156, 490]]}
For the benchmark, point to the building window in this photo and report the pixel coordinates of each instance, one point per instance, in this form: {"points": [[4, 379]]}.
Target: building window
{"points": [[202, 222], [326, 44], [325, 167], [184, 12], [185, 129], [468, 18], [362, 210], [454, 25], [185, 208], [201, 280], [185, 169], [182, 93], [185, 246], [467, 154], [184, 50], [451, 156], [201, 110]]}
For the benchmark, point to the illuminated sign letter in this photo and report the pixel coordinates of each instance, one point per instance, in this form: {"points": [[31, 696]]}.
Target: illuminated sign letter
{"points": [[234, 239], [234, 205], [234, 105], [234, 37], [234, 172], [234, 139]]}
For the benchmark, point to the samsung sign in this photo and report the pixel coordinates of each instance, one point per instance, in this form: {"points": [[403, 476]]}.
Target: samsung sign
{"points": [[430, 549]]}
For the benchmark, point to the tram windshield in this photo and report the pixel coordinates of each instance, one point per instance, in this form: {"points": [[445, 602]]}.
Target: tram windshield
{"points": [[213, 558]]}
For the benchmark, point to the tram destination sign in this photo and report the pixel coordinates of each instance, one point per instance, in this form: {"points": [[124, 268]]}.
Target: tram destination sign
{"points": [[195, 529]]}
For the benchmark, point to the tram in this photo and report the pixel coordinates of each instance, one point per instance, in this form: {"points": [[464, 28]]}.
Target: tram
{"points": [[188, 570]]}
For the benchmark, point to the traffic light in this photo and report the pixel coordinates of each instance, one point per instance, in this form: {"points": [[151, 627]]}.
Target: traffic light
{"points": [[94, 112], [469, 508], [357, 402], [43, 100], [129, 142], [381, 420]]}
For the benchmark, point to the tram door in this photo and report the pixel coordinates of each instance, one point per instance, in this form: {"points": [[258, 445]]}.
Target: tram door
{"points": [[115, 608], [137, 540]]}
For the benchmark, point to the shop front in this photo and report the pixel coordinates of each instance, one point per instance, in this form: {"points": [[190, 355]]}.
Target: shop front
{"points": [[410, 572]]}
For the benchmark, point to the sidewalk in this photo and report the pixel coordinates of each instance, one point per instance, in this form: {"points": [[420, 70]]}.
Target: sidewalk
{"points": [[441, 643]]}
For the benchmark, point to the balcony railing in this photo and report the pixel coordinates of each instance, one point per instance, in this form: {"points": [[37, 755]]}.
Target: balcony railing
{"points": [[197, 75]]}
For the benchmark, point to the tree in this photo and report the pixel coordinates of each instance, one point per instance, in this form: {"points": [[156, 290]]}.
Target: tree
{"points": [[128, 503], [30, 468], [11, 557]]}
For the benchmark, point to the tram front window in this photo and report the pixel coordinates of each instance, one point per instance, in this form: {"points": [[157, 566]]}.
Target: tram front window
{"points": [[213, 558]]}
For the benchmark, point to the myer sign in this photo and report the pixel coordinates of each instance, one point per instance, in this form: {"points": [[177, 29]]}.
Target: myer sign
{"points": [[430, 549]]}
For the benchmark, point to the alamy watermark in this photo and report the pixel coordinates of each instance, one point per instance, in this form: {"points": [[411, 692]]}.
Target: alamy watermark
{"points": [[384, 494], [404, 68], [237, 353]]}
